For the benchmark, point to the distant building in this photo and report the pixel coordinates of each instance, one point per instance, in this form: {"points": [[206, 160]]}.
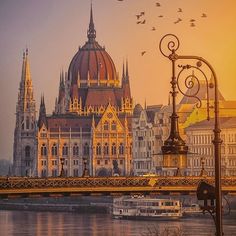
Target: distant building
{"points": [[195, 130], [143, 141], [91, 125], [199, 140]]}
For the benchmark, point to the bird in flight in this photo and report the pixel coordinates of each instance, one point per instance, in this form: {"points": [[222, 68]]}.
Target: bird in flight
{"points": [[120, 0], [192, 24], [153, 28], [143, 52], [138, 22], [179, 19], [180, 10], [160, 16], [138, 16], [142, 13], [143, 22], [204, 15], [192, 20], [158, 4]]}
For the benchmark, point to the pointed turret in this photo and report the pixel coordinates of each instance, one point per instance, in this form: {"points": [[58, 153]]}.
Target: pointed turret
{"points": [[125, 83], [24, 162], [42, 114], [91, 33], [127, 71], [61, 88], [26, 89], [60, 104], [123, 72]]}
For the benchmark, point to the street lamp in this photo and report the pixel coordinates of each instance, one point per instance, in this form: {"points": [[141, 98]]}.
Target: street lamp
{"points": [[62, 174], [174, 150], [168, 46], [85, 170]]}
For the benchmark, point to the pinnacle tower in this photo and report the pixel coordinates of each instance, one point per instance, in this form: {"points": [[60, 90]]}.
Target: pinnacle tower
{"points": [[25, 129]]}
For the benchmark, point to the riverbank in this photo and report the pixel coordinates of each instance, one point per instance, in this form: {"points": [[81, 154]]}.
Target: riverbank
{"points": [[61, 204]]}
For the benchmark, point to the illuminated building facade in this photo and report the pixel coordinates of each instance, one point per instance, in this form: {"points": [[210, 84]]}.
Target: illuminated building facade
{"points": [[92, 122]]}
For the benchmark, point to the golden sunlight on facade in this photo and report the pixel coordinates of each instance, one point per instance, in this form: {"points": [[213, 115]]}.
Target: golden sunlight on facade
{"points": [[90, 128]]}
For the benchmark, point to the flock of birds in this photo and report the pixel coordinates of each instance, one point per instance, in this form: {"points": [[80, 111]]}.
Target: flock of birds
{"points": [[140, 19]]}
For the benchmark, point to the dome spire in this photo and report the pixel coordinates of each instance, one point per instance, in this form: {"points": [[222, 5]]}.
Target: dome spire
{"points": [[91, 33]]}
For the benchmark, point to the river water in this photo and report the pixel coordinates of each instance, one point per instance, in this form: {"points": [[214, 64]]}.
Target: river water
{"points": [[15, 223]]}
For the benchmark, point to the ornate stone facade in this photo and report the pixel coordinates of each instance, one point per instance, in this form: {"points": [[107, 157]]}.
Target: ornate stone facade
{"points": [[91, 126]]}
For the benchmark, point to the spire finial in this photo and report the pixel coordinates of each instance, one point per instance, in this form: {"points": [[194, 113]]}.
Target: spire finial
{"points": [[127, 70], [91, 33], [123, 71], [26, 51]]}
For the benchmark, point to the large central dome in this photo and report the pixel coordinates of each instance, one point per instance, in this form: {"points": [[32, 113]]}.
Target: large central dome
{"points": [[92, 66]]}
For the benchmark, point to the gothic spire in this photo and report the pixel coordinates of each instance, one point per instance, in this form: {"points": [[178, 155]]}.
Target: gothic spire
{"points": [[42, 113], [91, 33], [26, 88], [127, 71], [25, 76], [123, 72]]}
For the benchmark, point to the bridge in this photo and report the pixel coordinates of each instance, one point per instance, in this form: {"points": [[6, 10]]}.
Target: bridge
{"points": [[11, 187]]}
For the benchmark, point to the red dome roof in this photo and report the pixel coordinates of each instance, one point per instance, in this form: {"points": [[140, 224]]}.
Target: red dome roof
{"points": [[92, 65]]}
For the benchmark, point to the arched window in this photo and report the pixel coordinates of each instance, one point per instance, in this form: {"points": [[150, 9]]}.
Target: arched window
{"points": [[106, 149], [121, 149], [86, 149], [32, 123], [75, 150], [43, 150], [106, 125], [113, 149], [130, 149], [43, 173], [98, 149], [65, 150], [22, 123], [54, 150], [27, 122], [27, 151], [113, 125], [54, 173]]}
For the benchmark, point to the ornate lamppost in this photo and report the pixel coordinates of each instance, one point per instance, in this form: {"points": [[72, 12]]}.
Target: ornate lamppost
{"points": [[168, 46], [62, 174], [85, 170]]}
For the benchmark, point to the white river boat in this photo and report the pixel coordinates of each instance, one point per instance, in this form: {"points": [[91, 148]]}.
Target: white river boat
{"points": [[146, 208]]}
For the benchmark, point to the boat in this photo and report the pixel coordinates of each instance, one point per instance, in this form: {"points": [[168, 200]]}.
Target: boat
{"points": [[192, 210], [136, 207]]}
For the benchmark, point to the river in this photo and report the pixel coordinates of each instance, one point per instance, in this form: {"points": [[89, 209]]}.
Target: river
{"points": [[15, 223]]}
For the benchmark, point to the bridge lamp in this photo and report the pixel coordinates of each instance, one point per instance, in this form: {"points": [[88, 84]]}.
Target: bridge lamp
{"points": [[62, 174]]}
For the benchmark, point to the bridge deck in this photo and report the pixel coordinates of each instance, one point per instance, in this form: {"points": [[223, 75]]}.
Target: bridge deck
{"points": [[23, 186]]}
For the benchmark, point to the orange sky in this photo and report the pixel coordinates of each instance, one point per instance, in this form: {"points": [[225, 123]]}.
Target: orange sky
{"points": [[53, 30]]}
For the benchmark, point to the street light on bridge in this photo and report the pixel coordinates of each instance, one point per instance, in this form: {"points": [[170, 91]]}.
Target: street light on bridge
{"points": [[62, 174], [168, 46]]}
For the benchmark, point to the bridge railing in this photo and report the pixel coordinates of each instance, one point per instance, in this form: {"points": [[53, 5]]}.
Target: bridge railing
{"points": [[96, 182]]}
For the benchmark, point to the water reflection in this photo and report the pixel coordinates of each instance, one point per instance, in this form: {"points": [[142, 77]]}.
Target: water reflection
{"points": [[60, 223]]}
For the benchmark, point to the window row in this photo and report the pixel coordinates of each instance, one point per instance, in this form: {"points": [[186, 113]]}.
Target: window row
{"points": [[65, 149], [106, 149], [106, 125], [55, 162], [99, 162]]}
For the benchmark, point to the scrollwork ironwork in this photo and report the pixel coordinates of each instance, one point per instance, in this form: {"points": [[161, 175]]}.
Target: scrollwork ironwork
{"points": [[171, 45], [192, 81]]}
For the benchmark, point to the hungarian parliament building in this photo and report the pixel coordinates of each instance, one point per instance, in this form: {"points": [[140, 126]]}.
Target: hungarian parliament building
{"points": [[96, 127]]}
